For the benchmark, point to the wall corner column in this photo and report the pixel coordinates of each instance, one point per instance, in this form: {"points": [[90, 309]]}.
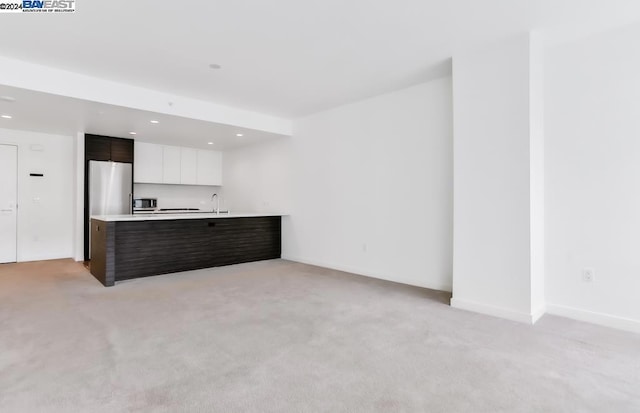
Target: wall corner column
{"points": [[498, 256]]}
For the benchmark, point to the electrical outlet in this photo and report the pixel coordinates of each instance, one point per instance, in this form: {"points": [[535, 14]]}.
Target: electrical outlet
{"points": [[588, 275]]}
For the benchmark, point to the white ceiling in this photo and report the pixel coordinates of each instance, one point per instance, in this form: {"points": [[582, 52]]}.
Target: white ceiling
{"points": [[46, 113], [283, 57]]}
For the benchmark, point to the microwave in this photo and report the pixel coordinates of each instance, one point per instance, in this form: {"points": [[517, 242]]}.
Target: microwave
{"points": [[145, 204]]}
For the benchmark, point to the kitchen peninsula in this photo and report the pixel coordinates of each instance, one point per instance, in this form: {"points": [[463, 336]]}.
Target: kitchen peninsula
{"points": [[141, 245]]}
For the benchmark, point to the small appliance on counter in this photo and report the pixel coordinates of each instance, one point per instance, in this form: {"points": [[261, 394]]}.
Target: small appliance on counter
{"points": [[144, 205]]}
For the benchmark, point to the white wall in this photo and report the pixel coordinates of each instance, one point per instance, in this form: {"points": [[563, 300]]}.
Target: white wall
{"points": [[372, 187], [258, 178], [181, 196], [45, 205], [593, 177], [78, 230], [494, 195]]}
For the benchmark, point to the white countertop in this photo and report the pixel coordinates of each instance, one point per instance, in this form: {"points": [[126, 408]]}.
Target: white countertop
{"points": [[190, 215]]}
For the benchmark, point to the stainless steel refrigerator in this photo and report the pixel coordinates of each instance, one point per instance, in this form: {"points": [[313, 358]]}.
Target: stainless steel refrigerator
{"points": [[110, 190]]}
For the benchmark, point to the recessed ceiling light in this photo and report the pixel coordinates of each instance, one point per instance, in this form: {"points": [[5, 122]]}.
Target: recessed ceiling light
{"points": [[239, 134], [215, 66], [7, 98], [6, 116], [132, 133], [209, 143], [154, 121]]}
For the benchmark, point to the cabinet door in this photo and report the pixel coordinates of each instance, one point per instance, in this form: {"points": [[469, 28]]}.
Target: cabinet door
{"points": [[148, 164], [171, 165], [188, 166], [122, 150], [209, 168], [97, 148]]}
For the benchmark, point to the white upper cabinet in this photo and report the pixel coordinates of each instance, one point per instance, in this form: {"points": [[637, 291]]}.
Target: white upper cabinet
{"points": [[161, 164], [147, 162], [171, 165], [189, 166], [209, 168]]}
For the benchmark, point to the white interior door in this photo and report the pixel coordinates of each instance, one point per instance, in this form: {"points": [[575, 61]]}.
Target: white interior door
{"points": [[8, 203]]}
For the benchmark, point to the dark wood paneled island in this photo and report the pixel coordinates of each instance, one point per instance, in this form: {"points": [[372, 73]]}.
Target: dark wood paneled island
{"points": [[126, 247]]}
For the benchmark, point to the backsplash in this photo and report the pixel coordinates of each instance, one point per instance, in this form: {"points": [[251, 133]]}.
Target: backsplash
{"points": [[180, 196]]}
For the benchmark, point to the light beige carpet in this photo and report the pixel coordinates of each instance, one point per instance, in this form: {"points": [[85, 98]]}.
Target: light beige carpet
{"points": [[278, 336]]}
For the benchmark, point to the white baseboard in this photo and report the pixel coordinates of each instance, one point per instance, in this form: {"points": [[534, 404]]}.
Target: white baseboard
{"points": [[497, 311], [538, 313], [43, 257], [593, 317], [380, 276]]}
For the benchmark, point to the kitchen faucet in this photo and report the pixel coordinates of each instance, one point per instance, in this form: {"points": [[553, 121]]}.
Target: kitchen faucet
{"points": [[217, 208]]}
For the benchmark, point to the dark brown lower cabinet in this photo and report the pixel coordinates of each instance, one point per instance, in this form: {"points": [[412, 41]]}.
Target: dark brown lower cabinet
{"points": [[122, 250]]}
